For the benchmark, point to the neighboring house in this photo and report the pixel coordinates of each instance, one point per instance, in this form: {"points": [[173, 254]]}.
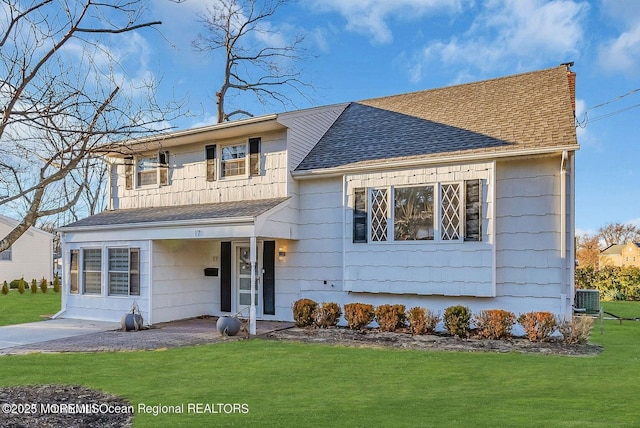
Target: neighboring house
{"points": [[30, 257], [621, 255], [459, 195]]}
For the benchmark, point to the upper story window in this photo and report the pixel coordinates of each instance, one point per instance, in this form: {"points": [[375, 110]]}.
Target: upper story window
{"points": [[153, 170], [234, 160], [237, 160], [6, 255]]}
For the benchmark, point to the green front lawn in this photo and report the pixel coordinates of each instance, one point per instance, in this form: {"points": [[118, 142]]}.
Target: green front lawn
{"points": [[16, 308], [293, 384]]}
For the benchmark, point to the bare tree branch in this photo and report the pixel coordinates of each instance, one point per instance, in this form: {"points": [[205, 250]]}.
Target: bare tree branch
{"points": [[238, 28], [61, 104]]}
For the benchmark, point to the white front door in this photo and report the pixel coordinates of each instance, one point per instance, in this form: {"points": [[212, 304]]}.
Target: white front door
{"points": [[243, 281]]}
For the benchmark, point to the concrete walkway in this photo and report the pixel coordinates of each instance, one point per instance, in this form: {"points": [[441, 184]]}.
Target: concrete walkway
{"points": [[42, 331], [65, 335]]}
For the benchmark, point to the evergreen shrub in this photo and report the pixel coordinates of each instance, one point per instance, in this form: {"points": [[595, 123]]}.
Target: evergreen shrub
{"points": [[456, 320], [538, 326], [303, 312], [327, 315], [422, 321], [390, 317], [494, 323], [358, 315]]}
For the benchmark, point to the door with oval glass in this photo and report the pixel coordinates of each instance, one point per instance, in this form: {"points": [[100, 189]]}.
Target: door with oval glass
{"points": [[243, 281]]}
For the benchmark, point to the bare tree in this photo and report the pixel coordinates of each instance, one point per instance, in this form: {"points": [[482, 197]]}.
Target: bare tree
{"points": [[618, 233], [64, 100], [254, 60]]}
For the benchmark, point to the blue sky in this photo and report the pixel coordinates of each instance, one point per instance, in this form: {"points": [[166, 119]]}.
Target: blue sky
{"points": [[368, 48]]}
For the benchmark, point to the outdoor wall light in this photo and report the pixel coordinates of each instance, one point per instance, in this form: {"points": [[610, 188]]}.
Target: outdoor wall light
{"points": [[281, 253]]}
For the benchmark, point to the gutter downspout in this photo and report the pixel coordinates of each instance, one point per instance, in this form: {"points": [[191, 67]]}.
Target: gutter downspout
{"points": [[252, 308], [109, 191], [563, 229], [150, 289], [63, 279], [344, 228]]}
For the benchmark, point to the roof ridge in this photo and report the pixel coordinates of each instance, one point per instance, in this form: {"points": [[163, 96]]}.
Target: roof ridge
{"points": [[458, 85]]}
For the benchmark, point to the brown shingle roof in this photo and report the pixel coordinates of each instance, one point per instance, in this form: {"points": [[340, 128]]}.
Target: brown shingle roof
{"points": [[521, 112]]}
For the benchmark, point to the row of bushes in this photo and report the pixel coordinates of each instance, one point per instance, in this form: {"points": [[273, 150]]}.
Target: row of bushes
{"points": [[489, 324], [21, 285], [613, 282]]}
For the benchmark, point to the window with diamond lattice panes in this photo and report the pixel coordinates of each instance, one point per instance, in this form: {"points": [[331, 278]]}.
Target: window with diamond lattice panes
{"points": [[450, 212], [379, 215], [413, 213]]}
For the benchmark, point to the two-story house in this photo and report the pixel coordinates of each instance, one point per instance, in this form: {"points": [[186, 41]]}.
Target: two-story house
{"points": [[458, 195], [620, 255]]}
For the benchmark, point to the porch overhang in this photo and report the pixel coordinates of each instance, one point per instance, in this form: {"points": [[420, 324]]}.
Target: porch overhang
{"points": [[270, 218]]}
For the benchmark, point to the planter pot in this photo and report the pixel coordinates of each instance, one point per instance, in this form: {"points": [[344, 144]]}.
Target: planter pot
{"points": [[228, 326], [131, 322]]}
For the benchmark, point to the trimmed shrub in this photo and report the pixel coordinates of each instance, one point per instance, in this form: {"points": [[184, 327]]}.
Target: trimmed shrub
{"points": [[303, 311], [22, 285], [15, 284], [494, 323], [576, 331], [56, 284], [44, 285], [358, 315], [5, 288], [456, 320], [421, 320], [34, 286], [538, 326], [327, 315], [390, 317]]}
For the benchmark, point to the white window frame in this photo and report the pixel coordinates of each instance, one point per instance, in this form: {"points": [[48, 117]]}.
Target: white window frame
{"points": [[129, 272], [437, 213], [74, 272], [244, 159], [392, 208], [81, 270], [389, 215], [460, 210], [161, 169], [247, 159]]}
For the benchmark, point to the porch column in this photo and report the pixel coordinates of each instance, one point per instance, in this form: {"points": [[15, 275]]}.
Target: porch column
{"points": [[252, 310]]}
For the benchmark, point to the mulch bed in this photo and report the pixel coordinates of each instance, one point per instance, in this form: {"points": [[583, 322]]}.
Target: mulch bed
{"points": [[404, 340], [54, 406]]}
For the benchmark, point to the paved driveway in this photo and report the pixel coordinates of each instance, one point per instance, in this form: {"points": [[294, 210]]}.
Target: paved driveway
{"points": [[43, 331]]}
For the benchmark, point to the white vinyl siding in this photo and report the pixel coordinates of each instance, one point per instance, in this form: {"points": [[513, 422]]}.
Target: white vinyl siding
{"points": [[189, 173], [447, 267], [6, 255]]}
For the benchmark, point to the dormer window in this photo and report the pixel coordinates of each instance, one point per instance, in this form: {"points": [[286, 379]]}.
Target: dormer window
{"points": [[153, 170]]}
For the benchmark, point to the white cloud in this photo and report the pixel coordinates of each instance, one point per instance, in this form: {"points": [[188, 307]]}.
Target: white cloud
{"points": [[514, 34], [622, 54], [370, 17]]}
